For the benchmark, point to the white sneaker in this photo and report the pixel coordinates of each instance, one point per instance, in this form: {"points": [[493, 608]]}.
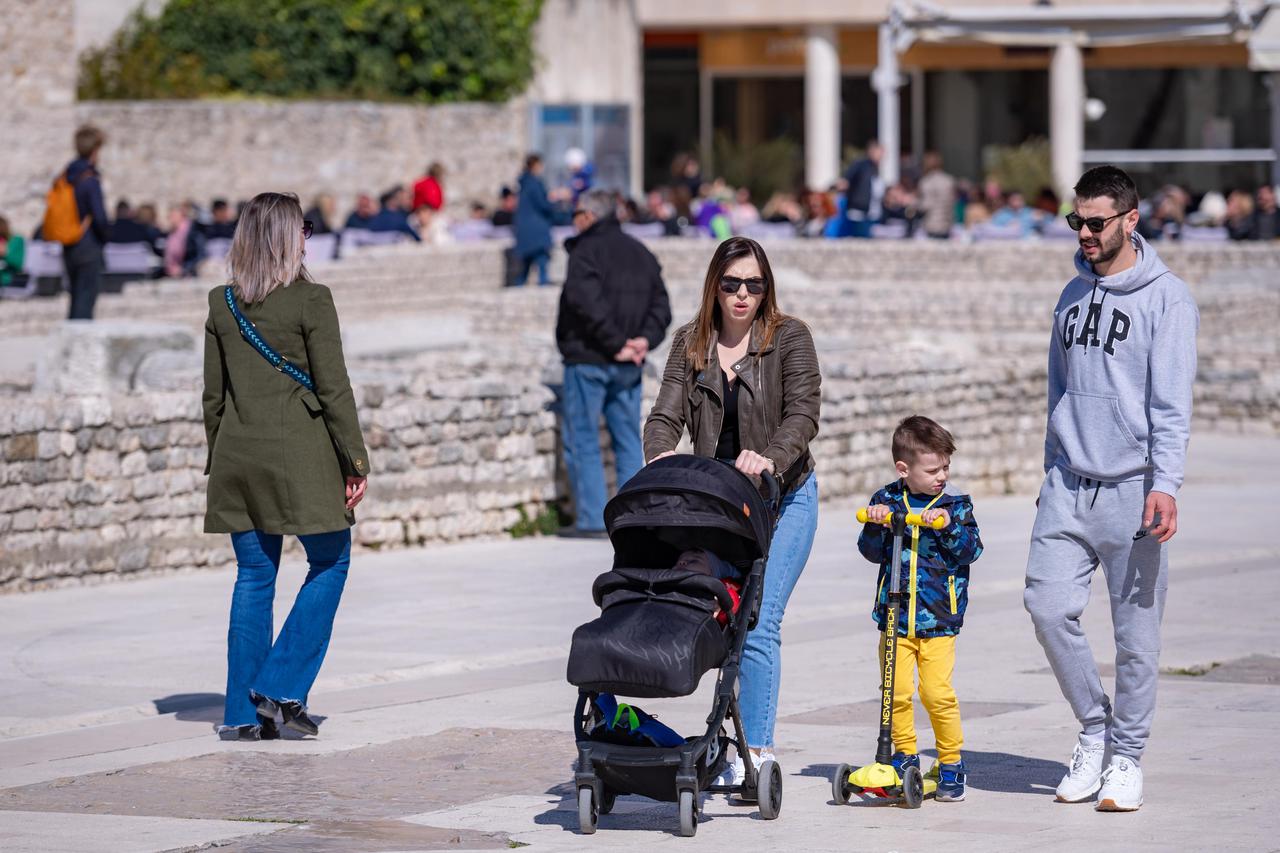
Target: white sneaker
{"points": [[1121, 786], [733, 773], [1085, 776]]}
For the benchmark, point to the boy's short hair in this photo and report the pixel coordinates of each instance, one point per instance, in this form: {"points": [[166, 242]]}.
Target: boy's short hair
{"points": [[88, 140], [918, 434]]}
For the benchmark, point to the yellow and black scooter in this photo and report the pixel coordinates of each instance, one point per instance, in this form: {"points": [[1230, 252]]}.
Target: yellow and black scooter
{"points": [[881, 779]]}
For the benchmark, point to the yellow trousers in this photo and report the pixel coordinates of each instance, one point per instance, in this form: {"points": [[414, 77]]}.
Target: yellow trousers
{"points": [[935, 658]]}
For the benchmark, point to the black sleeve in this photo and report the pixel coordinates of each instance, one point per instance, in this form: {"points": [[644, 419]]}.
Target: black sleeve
{"points": [[93, 206], [658, 317]]}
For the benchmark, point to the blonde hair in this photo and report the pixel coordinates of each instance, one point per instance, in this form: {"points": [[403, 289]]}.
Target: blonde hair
{"points": [[266, 251]]}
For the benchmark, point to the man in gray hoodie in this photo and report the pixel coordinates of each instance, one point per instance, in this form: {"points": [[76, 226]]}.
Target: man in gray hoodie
{"points": [[1122, 360]]}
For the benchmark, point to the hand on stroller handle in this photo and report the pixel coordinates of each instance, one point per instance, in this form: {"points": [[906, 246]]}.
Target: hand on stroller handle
{"points": [[913, 519]]}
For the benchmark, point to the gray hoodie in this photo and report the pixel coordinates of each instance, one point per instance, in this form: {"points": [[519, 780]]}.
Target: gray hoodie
{"points": [[1122, 361]]}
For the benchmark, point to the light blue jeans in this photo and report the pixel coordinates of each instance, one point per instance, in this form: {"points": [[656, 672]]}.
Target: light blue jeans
{"points": [[762, 658], [589, 391], [287, 668]]}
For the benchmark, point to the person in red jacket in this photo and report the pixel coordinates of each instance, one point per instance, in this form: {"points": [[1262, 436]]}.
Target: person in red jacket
{"points": [[428, 191]]}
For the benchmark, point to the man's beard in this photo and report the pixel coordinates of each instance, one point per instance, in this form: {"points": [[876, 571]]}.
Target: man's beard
{"points": [[1110, 248]]}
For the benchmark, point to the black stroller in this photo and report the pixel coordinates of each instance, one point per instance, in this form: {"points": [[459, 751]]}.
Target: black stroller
{"points": [[657, 634]]}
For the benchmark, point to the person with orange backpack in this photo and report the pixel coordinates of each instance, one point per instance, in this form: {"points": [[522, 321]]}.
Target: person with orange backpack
{"points": [[76, 217]]}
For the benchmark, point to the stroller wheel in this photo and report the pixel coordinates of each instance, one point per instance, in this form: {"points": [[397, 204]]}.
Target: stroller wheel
{"points": [[912, 787], [607, 801], [588, 816], [769, 790], [688, 814], [840, 785]]}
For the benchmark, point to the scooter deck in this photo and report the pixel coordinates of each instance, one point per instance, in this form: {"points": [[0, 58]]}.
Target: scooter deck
{"points": [[895, 793]]}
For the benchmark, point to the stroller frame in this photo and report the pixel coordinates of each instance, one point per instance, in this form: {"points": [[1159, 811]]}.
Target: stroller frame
{"points": [[698, 760]]}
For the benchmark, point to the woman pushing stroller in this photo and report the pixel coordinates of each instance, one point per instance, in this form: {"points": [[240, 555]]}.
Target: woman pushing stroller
{"points": [[743, 379]]}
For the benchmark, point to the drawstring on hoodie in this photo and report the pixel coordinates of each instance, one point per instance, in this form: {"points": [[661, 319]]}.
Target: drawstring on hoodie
{"points": [[1093, 293]]}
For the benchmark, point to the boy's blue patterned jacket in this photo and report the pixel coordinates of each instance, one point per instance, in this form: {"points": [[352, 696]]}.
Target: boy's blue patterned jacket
{"points": [[937, 596]]}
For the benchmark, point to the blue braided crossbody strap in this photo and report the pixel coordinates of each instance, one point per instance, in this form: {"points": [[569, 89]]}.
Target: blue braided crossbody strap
{"points": [[250, 334]]}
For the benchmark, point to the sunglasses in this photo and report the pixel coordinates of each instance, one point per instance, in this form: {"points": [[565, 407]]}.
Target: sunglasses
{"points": [[308, 228], [755, 286], [1095, 223]]}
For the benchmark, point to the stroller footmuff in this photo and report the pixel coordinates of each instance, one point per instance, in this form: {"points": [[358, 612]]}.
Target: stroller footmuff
{"points": [[656, 636], [662, 628]]}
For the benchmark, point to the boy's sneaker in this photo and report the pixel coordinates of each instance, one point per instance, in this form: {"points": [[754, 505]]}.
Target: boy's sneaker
{"points": [[1121, 786], [950, 779], [1085, 776], [902, 760]]}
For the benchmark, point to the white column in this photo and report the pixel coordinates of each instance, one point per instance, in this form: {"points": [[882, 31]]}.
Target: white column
{"points": [[1066, 116], [1273, 82], [821, 107], [885, 81]]}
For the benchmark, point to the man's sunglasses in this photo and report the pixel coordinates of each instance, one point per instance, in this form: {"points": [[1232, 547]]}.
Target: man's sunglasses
{"points": [[755, 286], [308, 228], [1096, 223]]}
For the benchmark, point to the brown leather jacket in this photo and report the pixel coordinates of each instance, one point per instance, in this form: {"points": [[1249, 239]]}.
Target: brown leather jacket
{"points": [[777, 418]]}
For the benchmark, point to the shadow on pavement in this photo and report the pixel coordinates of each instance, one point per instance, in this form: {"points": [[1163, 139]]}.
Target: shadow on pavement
{"points": [[197, 707]]}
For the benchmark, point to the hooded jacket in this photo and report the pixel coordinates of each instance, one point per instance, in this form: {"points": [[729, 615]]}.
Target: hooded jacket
{"points": [[83, 176], [937, 585], [1122, 362]]}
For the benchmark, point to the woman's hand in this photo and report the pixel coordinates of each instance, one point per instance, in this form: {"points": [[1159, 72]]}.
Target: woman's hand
{"points": [[355, 490], [663, 455], [752, 464]]}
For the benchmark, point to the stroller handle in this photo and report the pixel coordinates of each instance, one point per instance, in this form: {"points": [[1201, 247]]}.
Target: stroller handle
{"points": [[913, 519], [774, 485]]}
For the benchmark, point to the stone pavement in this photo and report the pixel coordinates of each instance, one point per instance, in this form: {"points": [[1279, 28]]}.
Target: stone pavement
{"points": [[449, 718]]}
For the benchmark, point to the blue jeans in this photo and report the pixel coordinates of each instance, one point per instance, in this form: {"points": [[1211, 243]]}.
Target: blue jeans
{"points": [[589, 391], [287, 668], [762, 658], [541, 259]]}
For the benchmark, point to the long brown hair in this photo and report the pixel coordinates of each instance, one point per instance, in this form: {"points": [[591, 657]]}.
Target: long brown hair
{"points": [[706, 326]]}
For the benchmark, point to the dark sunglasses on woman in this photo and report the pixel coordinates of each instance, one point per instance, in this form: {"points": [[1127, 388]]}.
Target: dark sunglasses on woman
{"points": [[755, 286], [307, 228]]}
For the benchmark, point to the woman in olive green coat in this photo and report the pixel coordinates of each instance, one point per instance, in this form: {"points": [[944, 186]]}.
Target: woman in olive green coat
{"points": [[284, 458]]}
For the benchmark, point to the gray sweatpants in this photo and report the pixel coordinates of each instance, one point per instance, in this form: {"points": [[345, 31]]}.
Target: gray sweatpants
{"points": [[1081, 523]]}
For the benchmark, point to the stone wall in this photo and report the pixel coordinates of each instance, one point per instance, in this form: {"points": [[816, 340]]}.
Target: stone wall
{"points": [[37, 103], [456, 379], [167, 151]]}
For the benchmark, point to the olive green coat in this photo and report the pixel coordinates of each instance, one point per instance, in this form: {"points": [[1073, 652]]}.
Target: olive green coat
{"points": [[278, 453]]}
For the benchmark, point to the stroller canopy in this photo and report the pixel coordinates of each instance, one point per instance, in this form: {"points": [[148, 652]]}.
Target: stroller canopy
{"points": [[682, 502]]}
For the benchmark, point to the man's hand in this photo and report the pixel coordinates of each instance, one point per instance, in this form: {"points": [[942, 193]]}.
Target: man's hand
{"points": [[1158, 503], [640, 346], [752, 464], [663, 455], [355, 490], [627, 353], [930, 514], [877, 513]]}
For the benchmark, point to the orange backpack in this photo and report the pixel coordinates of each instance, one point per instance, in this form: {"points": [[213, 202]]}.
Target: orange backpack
{"points": [[62, 222]]}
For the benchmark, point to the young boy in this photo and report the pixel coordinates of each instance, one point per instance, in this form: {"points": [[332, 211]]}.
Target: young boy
{"points": [[935, 580]]}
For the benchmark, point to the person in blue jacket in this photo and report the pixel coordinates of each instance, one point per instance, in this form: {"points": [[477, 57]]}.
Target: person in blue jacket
{"points": [[536, 212]]}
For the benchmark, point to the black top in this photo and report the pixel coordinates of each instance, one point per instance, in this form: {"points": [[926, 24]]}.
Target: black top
{"points": [[613, 291], [728, 447]]}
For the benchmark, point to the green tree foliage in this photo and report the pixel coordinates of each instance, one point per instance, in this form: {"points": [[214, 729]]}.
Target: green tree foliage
{"points": [[764, 168], [1026, 167], [433, 51]]}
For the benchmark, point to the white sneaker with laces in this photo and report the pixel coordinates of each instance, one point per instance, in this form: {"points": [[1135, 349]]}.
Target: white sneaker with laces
{"points": [[1121, 786], [1085, 776], [733, 772]]}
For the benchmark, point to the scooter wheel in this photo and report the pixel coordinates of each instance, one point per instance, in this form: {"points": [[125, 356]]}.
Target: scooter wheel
{"points": [[840, 785], [912, 787], [588, 815], [769, 790], [688, 814]]}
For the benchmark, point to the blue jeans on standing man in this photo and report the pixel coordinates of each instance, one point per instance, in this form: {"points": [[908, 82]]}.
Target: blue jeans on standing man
{"points": [[762, 657], [589, 391], [286, 669]]}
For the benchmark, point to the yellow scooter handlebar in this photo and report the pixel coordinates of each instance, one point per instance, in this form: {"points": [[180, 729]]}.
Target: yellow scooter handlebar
{"points": [[913, 520]]}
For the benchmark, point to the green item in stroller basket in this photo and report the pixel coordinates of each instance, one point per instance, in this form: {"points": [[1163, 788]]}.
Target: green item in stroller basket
{"points": [[626, 724]]}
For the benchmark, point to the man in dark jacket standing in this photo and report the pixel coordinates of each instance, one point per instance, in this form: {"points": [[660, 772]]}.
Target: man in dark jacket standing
{"points": [[613, 310], [864, 192], [83, 259]]}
